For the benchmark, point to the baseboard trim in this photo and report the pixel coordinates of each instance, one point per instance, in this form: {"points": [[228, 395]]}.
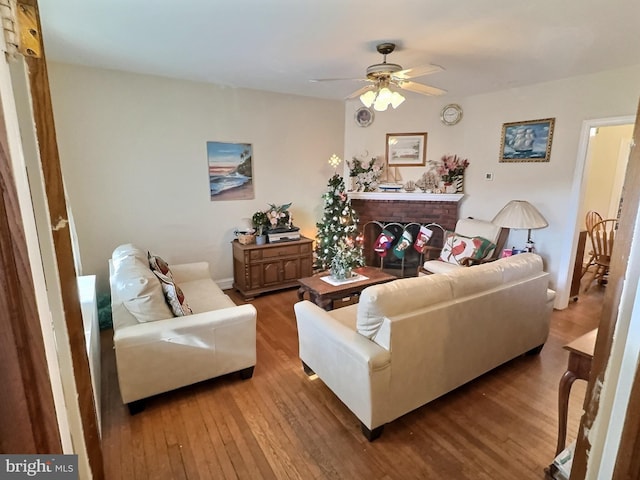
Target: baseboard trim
{"points": [[225, 283]]}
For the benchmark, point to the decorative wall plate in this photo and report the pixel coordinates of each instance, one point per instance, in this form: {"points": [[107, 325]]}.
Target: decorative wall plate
{"points": [[364, 117]]}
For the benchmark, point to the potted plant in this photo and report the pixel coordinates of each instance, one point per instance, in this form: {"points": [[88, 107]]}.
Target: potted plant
{"points": [[278, 217], [451, 169], [260, 222], [347, 256]]}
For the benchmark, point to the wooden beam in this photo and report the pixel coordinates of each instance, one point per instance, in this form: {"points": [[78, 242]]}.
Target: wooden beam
{"points": [[28, 422], [54, 189], [609, 319], [628, 460]]}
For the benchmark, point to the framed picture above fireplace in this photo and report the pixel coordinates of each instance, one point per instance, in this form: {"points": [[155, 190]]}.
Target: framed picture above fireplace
{"points": [[406, 149]]}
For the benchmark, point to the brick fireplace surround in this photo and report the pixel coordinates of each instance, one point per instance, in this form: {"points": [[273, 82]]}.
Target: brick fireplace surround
{"points": [[402, 208], [406, 208]]}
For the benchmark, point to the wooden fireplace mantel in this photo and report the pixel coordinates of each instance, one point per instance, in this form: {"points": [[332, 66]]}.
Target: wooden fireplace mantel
{"points": [[407, 196]]}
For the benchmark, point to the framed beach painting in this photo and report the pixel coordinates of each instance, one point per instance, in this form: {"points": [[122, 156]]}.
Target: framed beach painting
{"points": [[406, 149], [528, 141], [230, 171]]}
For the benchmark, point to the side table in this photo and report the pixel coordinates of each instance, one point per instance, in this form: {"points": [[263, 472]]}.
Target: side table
{"points": [[579, 367]]}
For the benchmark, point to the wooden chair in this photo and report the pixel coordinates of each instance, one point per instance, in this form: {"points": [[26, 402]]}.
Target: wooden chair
{"points": [[590, 220], [602, 235]]}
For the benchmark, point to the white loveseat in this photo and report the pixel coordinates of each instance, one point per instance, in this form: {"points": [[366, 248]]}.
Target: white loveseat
{"points": [[411, 340], [156, 351]]}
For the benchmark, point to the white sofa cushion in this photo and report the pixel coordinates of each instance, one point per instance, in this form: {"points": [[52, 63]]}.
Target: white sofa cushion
{"points": [[469, 281], [127, 250], [204, 295], [140, 290], [520, 266], [438, 266], [393, 298]]}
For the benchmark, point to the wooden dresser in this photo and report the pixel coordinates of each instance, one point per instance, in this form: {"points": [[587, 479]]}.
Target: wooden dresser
{"points": [[264, 268]]}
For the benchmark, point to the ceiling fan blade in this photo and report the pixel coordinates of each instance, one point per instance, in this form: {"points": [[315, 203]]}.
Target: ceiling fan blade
{"points": [[360, 91], [417, 71], [420, 88], [317, 80]]}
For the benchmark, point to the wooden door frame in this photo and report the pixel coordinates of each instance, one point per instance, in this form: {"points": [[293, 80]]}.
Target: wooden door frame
{"points": [[58, 222], [29, 424], [627, 464]]}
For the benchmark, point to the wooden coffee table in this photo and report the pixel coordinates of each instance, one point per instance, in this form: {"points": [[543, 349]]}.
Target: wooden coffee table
{"points": [[324, 294]]}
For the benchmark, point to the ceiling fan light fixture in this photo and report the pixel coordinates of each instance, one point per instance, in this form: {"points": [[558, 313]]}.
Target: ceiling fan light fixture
{"points": [[367, 98], [384, 95], [396, 99], [383, 99], [380, 106]]}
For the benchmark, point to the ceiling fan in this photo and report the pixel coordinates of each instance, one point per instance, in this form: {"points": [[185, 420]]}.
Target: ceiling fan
{"points": [[381, 76]]}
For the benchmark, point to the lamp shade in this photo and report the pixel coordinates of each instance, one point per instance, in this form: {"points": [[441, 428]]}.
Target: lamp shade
{"points": [[367, 98], [520, 214]]}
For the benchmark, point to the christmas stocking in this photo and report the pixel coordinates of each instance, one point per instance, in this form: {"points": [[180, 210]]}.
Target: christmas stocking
{"points": [[383, 242], [423, 238], [403, 244]]}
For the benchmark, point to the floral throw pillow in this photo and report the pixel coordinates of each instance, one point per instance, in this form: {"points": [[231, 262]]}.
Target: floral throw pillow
{"points": [[458, 247], [157, 264], [173, 295]]}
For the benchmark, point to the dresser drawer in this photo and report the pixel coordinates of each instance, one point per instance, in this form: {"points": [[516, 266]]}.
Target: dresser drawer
{"points": [[306, 248], [283, 251]]}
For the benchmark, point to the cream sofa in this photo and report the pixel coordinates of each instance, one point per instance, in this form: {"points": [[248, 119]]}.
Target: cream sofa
{"points": [[412, 340], [157, 351]]}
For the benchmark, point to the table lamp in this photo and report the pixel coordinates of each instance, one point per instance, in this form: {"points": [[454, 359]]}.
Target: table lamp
{"points": [[520, 215]]}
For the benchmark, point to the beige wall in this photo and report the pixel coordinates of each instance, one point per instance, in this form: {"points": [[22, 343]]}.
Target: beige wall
{"points": [[133, 154], [549, 186], [602, 170]]}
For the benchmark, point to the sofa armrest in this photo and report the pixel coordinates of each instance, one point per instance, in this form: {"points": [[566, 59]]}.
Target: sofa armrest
{"points": [[187, 272], [355, 368], [319, 324]]}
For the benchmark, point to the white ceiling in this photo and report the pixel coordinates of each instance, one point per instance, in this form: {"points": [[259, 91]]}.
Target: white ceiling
{"points": [[279, 45]]}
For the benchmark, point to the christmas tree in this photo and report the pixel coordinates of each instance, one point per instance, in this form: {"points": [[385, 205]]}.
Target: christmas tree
{"points": [[338, 230]]}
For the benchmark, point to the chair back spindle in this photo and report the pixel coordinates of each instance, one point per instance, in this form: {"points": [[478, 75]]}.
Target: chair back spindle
{"points": [[602, 235]]}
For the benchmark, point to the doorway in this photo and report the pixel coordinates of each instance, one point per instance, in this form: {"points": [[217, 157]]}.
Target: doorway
{"points": [[606, 160], [575, 217], [606, 163]]}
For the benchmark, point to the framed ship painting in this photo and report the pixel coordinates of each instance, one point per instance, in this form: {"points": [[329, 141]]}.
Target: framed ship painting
{"points": [[528, 141], [230, 171]]}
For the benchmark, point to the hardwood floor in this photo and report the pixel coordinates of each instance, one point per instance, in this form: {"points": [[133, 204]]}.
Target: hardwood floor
{"points": [[280, 424]]}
